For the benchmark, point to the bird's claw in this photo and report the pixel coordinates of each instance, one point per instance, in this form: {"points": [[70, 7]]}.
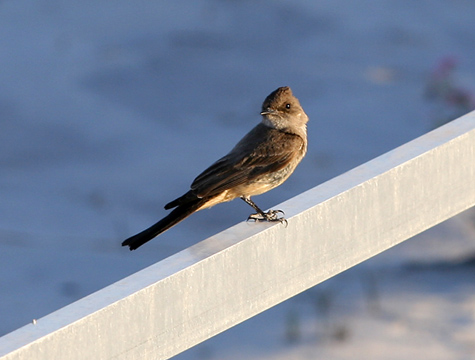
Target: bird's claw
{"points": [[271, 215]]}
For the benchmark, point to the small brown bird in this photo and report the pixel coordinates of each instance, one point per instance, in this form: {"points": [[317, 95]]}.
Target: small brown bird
{"points": [[261, 161]]}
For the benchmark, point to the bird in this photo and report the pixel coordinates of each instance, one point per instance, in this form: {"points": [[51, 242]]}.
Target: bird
{"points": [[262, 160]]}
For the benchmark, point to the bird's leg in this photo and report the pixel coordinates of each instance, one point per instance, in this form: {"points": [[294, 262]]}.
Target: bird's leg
{"points": [[271, 215], [253, 204]]}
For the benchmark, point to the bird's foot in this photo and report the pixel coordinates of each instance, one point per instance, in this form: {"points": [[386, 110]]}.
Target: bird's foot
{"points": [[271, 215]]}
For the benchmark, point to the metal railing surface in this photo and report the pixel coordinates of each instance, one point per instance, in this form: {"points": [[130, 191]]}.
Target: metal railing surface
{"points": [[246, 269]]}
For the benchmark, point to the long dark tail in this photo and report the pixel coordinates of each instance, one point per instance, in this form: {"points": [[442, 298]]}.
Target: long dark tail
{"points": [[177, 215]]}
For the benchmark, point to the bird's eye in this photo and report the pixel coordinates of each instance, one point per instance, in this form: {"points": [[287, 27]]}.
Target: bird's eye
{"points": [[287, 106]]}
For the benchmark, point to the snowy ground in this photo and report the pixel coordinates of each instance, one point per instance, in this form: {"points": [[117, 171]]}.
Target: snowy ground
{"points": [[108, 110]]}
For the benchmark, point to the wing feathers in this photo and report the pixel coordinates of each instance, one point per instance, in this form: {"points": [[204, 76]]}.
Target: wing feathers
{"points": [[262, 151]]}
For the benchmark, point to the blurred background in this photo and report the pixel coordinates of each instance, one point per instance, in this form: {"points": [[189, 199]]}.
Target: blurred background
{"points": [[108, 110]]}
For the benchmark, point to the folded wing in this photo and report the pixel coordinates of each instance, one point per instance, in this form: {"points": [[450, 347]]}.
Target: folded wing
{"points": [[276, 150]]}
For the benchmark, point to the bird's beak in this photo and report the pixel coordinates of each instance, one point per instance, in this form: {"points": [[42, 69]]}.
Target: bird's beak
{"points": [[268, 111]]}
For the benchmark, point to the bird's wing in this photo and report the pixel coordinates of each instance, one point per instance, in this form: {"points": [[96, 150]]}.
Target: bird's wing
{"points": [[249, 160]]}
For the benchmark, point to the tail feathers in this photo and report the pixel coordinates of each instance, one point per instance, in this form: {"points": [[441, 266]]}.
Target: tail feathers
{"points": [[177, 215], [189, 197]]}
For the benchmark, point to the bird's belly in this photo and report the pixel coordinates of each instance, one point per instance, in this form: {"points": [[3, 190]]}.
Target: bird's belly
{"points": [[267, 182]]}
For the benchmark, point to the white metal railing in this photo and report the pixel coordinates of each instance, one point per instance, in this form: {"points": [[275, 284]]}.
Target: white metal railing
{"points": [[240, 272]]}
